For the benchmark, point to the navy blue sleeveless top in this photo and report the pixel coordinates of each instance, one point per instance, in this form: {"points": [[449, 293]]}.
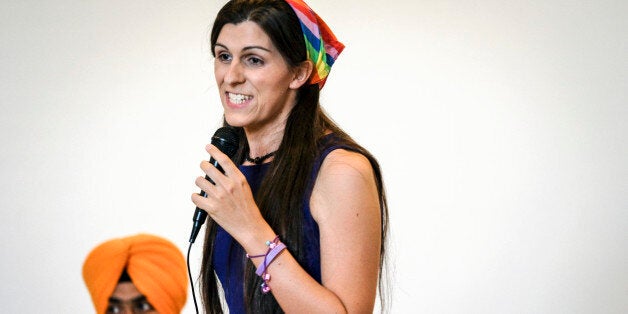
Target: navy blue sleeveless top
{"points": [[229, 257]]}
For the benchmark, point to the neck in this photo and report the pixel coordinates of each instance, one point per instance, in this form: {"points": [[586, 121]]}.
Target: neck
{"points": [[263, 142], [258, 160]]}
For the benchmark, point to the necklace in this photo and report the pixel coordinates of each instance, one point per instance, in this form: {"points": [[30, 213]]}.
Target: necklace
{"points": [[259, 160]]}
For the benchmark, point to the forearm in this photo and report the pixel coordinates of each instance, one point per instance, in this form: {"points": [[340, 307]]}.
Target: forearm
{"points": [[293, 288], [296, 291]]}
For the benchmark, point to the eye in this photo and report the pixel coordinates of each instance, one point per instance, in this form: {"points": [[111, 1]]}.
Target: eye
{"points": [[223, 57], [143, 306], [113, 309], [254, 61]]}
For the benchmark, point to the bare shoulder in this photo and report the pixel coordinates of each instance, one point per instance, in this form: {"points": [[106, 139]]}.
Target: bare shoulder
{"points": [[345, 186], [345, 163]]}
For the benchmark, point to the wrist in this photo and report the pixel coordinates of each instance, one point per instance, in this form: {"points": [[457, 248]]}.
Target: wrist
{"points": [[254, 241], [275, 247]]}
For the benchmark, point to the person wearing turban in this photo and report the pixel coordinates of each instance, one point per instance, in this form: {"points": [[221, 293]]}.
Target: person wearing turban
{"points": [[144, 271]]}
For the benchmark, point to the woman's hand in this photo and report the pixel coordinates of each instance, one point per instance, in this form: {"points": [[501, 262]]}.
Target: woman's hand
{"points": [[230, 201]]}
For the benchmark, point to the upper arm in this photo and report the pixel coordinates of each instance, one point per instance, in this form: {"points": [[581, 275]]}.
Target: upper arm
{"points": [[345, 204]]}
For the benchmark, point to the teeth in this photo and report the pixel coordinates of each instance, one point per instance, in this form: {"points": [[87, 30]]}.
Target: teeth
{"points": [[238, 98]]}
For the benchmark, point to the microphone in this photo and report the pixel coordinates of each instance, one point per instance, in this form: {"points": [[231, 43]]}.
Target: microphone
{"points": [[226, 139]]}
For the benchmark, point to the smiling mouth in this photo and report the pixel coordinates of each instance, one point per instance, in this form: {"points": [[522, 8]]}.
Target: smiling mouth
{"points": [[238, 98]]}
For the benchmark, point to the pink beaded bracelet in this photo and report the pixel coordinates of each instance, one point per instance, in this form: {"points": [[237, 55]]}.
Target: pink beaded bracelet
{"points": [[274, 248]]}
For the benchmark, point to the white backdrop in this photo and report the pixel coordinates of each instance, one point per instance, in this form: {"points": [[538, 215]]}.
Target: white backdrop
{"points": [[500, 127]]}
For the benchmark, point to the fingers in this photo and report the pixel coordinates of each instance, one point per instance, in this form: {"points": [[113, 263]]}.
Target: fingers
{"points": [[210, 185], [216, 182], [213, 175], [202, 202], [211, 172], [203, 184], [223, 160], [207, 188]]}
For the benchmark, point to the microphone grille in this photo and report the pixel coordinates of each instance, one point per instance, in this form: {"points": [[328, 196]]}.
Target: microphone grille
{"points": [[226, 139]]}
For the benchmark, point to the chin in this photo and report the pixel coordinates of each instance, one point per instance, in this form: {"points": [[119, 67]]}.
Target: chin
{"points": [[234, 121]]}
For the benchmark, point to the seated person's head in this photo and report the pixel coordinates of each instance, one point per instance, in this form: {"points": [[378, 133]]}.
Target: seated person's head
{"points": [[126, 298], [136, 274]]}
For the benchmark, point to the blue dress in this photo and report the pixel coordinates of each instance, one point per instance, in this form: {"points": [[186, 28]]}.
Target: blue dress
{"points": [[229, 256]]}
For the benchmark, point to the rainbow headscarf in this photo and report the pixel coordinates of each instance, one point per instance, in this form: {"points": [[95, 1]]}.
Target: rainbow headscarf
{"points": [[321, 44]]}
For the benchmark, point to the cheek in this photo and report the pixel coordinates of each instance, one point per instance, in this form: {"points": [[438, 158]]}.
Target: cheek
{"points": [[218, 74], [274, 84]]}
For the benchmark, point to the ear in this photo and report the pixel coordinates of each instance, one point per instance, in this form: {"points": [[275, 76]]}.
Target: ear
{"points": [[302, 74]]}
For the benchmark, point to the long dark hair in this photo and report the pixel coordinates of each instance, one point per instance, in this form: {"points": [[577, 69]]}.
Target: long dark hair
{"points": [[280, 195]]}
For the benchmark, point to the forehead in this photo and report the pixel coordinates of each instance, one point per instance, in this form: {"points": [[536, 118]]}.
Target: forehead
{"points": [[126, 291], [244, 34]]}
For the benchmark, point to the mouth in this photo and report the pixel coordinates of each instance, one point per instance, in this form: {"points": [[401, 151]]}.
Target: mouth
{"points": [[238, 99]]}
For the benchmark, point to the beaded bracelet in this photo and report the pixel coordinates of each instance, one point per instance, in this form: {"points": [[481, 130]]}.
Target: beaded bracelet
{"points": [[274, 248]]}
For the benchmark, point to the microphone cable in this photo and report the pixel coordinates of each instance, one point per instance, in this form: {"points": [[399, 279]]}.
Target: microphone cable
{"points": [[191, 281], [226, 140]]}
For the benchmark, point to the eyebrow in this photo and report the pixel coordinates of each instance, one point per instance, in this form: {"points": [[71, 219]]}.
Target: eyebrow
{"points": [[245, 48], [134, 300]]}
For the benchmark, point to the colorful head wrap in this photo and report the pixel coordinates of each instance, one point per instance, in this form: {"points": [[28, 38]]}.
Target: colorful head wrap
{"points": [[156, 267], [321, 44]]}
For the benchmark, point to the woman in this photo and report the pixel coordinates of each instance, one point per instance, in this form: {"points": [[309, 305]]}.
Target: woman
{"points": [[298, 222]]}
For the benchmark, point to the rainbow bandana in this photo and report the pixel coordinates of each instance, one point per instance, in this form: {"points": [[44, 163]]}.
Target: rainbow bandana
{"points": [[321, 44]]}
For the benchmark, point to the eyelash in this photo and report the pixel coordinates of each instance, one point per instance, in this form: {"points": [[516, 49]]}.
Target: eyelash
{"points": [[250, 60], [222, 56], [255, 61]]}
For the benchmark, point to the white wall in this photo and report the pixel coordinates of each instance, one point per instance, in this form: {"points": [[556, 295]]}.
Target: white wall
{"points": [[500, 127]]}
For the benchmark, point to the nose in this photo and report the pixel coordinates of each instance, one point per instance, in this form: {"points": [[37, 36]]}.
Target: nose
{"points": [[234, 74]]}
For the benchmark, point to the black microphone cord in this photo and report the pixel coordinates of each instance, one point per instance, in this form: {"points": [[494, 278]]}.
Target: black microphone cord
{"points": [[191, 281], [226, 140]]}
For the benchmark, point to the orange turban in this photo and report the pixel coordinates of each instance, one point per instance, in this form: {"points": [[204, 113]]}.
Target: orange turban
{"points": [[156, 267]]}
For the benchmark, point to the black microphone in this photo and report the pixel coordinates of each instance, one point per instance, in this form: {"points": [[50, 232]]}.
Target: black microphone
{"points": [[226, 139]]}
